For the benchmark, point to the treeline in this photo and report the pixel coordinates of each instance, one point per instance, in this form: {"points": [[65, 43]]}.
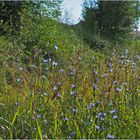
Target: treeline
{"points": [[33, 23], [108, 20]]}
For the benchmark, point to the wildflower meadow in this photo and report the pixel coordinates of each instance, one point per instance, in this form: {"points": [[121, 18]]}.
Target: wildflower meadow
{"points": [[58, 83]]}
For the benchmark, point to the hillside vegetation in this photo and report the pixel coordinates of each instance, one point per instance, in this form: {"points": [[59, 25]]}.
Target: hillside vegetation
{"points": [[55, 84]]}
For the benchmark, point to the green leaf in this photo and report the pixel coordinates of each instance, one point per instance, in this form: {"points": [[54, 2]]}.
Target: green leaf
{"points": [[39, 130]]}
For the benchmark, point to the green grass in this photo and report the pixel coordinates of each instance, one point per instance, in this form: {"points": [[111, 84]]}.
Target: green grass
{"points": [[86, 94]]}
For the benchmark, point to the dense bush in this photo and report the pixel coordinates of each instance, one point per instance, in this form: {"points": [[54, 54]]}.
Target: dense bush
{"points": [[96, 43]]}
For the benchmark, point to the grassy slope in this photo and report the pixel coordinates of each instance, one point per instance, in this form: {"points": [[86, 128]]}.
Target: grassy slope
{"points": [[78, 94]]}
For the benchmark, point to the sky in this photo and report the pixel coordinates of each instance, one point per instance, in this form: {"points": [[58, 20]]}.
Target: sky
{"points": [[74, 7]]}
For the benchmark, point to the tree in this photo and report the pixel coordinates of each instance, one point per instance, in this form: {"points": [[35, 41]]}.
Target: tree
{"points": [[12, 13], [38, 23], [90, 17], [137, 14], [113, 20], [116, 18], [10, 18]]}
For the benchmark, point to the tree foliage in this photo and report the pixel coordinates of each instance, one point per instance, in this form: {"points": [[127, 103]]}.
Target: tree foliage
{"points": [[89, 16], [112, 20], [13, 12], [39, 23], [10, 18], [116, 18]]}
